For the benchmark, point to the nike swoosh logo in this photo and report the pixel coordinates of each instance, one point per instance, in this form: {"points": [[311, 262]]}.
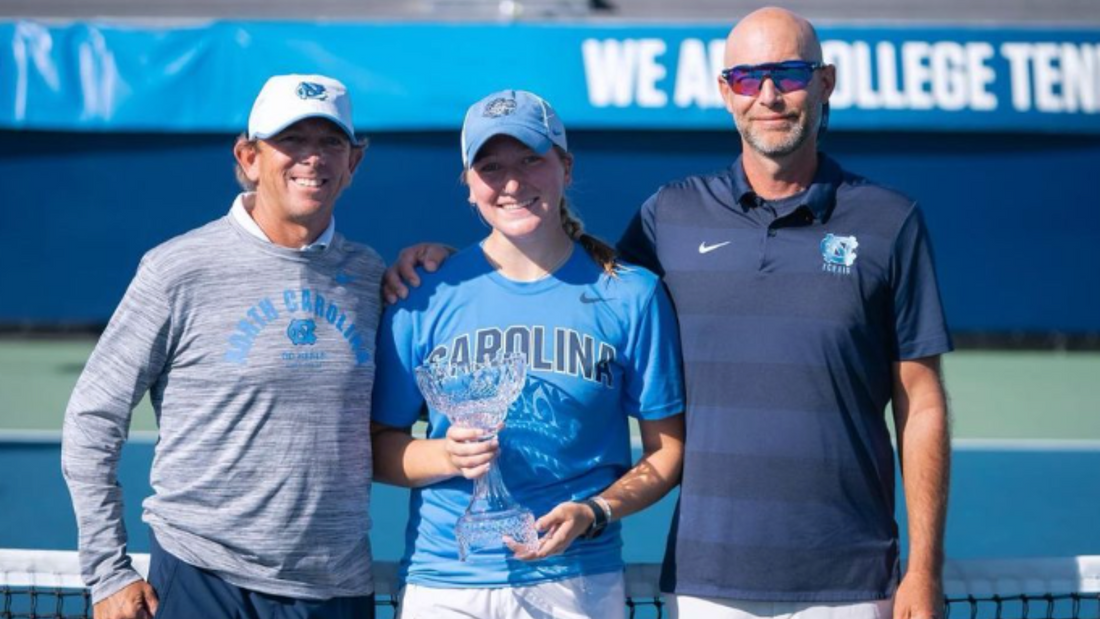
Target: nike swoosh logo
{"points": [[706, 249], [587, 299]]}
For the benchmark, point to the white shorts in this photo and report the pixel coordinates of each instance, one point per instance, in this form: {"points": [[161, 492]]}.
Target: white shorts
{"points": [[601, 596], [690, 607]]}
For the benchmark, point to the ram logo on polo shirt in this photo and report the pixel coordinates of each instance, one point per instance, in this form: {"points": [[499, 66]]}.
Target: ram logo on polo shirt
{"points": [[839, 253]]}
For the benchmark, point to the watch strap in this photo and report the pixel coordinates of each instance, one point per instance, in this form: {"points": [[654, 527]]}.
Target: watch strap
{"points": [[602, 511]]}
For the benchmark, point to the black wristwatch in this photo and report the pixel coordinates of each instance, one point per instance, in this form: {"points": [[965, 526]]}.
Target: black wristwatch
{"points": [[602, 511]]}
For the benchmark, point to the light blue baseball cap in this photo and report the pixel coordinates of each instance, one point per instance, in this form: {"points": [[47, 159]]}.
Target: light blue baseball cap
{"points": [[523, 115]]}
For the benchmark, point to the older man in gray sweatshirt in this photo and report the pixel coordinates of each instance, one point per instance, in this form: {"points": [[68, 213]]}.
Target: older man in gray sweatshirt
{"points": [[254, 336]]}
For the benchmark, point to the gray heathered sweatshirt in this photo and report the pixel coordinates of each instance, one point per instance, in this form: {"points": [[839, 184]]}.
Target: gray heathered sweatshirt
{"points": [[259, 361]]}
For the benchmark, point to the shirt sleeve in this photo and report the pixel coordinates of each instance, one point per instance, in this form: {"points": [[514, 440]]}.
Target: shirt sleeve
{"points": [[653, 384], [130, 357], [397, 400], [919, 322], [638, 244]]}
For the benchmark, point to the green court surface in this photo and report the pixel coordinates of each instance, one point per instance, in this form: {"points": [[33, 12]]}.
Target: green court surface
{"points": [[994, 395]]}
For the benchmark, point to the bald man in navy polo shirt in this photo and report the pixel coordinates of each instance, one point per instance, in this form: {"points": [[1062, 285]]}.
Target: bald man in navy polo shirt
{"points": [[807, 302]]}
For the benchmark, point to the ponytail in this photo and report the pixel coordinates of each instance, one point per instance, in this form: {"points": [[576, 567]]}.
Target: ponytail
{"points": [[601, 252]]}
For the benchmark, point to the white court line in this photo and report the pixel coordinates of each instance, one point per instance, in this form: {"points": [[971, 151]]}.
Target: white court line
{"points": [[998, 444], [1025, 444], [54, 436], [959, 444]]}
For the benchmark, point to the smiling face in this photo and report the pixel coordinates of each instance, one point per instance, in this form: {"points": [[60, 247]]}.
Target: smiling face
{"points": [[772, 123], [518, 191], [300, 171]]}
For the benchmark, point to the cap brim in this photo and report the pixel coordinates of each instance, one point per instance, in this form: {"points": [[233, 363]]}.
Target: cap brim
{"points": [[271, 132], [534, 139]]}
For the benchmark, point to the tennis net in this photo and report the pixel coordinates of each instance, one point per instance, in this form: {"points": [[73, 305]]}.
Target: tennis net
{"points": [[37, 584]]}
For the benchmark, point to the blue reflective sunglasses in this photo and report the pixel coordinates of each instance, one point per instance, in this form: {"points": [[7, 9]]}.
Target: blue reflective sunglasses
{"points": [[789, 76]]}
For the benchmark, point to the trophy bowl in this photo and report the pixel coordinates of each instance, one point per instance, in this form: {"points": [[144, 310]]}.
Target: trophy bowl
{"points": [[477, 394]]}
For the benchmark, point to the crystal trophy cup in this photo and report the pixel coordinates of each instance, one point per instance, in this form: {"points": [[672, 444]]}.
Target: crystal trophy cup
{"points": [[477, 395]]}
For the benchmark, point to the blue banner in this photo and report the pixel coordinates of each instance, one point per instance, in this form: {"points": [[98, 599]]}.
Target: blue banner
{"points": [[100, 77]]}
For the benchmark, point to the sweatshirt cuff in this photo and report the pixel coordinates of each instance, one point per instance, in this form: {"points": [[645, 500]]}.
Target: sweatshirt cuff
{"points": [[113, 584]]}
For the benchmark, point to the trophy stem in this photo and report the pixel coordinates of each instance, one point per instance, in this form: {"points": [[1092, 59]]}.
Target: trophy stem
{"points": [[494, 516], [490, 493]]}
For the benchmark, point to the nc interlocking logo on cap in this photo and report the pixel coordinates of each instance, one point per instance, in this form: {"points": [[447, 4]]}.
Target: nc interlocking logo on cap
{"points": [[287, 99], [312, 90], [499, 107], [517, 113]]}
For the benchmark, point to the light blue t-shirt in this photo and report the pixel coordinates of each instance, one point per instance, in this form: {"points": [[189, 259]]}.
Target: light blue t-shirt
{"points": [[598, 348]]}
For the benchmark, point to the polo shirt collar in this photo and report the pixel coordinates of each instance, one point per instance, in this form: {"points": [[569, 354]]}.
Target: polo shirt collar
{"points": [[239, 212], [819, 197]]}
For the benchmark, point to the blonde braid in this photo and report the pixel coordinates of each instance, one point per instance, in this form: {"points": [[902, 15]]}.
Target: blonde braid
{"points": [[601, 252]]}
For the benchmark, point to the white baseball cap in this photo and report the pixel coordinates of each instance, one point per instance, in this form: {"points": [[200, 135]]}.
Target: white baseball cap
{"points": [[517, 113], [286, 99]]}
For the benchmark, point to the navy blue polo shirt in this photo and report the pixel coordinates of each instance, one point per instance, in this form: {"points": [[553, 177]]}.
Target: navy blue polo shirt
{"points": [[792, 314]]}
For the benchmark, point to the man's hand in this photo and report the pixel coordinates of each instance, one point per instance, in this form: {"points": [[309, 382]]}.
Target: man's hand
{"points": [[919, 596], [402, 272], [136, 600]]}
